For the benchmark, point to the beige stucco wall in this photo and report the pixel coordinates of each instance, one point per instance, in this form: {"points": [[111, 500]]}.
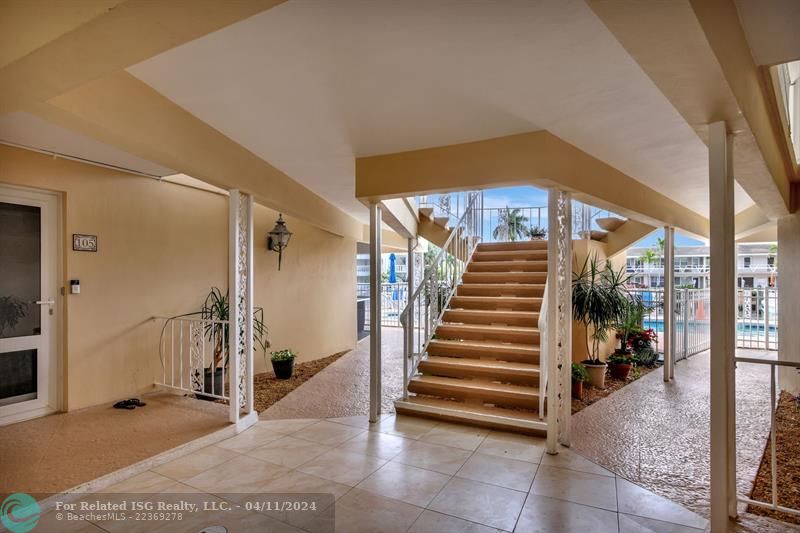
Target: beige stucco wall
{"points": [[161, 247]]}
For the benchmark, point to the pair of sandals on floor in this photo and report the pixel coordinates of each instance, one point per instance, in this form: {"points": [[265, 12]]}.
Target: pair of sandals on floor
{"points": [[131, 403]]}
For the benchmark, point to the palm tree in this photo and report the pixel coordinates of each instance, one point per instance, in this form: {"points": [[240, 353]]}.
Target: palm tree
{"points": [[511, 225], [649, 257]]}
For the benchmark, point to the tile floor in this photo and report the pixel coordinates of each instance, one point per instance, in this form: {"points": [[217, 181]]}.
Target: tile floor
{"points": [[411, 474]]}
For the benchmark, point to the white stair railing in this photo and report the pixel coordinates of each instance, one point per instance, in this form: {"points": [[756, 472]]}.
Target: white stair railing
{"points": [[543, 351], [427, 304]]}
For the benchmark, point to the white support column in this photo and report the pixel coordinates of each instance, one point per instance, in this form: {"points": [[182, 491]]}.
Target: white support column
{"points": [[374, 312], [559, 319], [240, 304], [409, 340], [669, 302], [723, 327]]}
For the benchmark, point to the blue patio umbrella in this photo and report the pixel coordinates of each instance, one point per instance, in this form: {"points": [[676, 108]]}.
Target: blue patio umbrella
{"points": [[392, 272]]}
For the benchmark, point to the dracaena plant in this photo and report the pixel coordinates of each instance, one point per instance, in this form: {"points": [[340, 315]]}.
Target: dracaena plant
{"points": [[599, 300]]}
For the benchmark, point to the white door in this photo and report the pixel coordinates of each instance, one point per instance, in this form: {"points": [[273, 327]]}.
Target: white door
{"points": [[28, 304]]}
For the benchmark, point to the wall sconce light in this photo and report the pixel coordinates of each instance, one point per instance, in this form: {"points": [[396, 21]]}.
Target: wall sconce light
{"points": [[278, 238]]}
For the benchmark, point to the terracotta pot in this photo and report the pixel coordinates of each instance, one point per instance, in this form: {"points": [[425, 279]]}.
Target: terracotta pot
{"points": [[577, 390], [621, 370], [597, 374]]}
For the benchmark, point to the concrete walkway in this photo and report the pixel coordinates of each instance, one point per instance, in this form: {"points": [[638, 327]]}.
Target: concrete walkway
{"points": [[342, 389], [656, 434]]}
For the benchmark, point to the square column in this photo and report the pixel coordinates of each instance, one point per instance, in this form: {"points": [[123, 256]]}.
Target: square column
{"points": [[669, 303], [374, 312], [723, 327], [240, 304]]}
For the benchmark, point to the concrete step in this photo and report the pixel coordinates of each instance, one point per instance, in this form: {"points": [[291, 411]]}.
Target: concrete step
{"points": [[497, 394], [506, 246], [441, 221], [488, 316], [476, 349], [509, 255], [501, 289], [503, 371], [426, 212], [526, 422], [496, 302], [504, 277], [514, 334], [507, 266]]}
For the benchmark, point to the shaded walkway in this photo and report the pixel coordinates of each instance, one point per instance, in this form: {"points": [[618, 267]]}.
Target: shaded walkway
{"points": [[342, 389], [656, 434]]}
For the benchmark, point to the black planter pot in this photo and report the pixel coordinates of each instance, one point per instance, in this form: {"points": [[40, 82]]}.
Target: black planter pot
{"points": [[283, 369], [212, 384]]}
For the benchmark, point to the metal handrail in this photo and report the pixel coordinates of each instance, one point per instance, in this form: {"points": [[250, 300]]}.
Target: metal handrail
{"points": [[772, 434], [429, 301], [543, 342]]}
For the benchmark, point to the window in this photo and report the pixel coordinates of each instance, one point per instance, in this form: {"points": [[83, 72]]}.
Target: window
{"points": [[771, 260], [747, 262]]}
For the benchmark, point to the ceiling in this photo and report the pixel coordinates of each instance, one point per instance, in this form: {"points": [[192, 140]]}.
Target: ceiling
{"points": [[310, 85], [29, 131], [771, 29]]}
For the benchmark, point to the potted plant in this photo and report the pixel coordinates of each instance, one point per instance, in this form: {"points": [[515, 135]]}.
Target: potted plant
{"points": [[579, 377], [12, 310], [537, 233], [620, 365], [599, 300], [283, 363]]}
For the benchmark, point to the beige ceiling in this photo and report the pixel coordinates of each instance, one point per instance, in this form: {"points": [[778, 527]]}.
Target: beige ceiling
{"points": [[29, 131], [309, 85], [772, 28]]}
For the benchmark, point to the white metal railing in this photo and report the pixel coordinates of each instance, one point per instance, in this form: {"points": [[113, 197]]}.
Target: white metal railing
{"points": [[543, 353], [394, 298], [427, 304], [500, 224], [773, 404], [194, 353], [757, 318], [450, 205]]}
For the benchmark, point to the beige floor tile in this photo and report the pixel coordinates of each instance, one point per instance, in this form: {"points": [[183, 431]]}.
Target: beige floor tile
{"points": [[342, 466], [404, 426], [577, 487], [241, 474], [251, 438], [442, 459], [297, 486], [639, 524], [328, 433], [637, 501], [489, 505], [513, 446], [55, 521], [432, 522], [361, 511], [190, 465], [289, 451], [509, 473], [456, 436], [146, 482], [548, 515], [361, 421], [405, 483], [377, 444], [566, 458], [287, 426]]}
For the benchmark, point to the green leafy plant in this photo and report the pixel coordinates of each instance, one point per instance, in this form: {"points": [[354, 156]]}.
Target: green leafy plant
{"points": [[621, 359], [283, 355], [631, 321], [599, 300], [646, 357], [511, 226], [537, 232], [579, 373], [12, 310]]}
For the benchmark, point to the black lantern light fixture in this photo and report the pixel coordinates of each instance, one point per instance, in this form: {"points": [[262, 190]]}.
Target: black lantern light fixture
{"points": [[278, 238]]}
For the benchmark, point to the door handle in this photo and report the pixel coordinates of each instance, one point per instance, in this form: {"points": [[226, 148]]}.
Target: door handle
{"points": [[45, 302]]}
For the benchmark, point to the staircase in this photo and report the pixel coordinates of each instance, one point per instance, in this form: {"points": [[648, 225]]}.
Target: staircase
{"points": [[482, 364]]}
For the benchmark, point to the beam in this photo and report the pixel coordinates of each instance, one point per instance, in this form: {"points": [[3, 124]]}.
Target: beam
{"points": [[126, 113], [103, 38], [750, 221], [670, 41], [536, 158]]}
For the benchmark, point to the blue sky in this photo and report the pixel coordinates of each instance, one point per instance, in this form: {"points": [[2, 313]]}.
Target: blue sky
{"points": [[533, 197]]}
